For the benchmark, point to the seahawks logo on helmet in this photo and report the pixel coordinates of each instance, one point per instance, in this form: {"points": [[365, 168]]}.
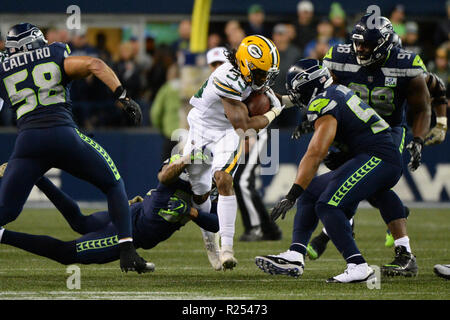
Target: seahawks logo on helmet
{"points": [[255, 51], [300, 79]]}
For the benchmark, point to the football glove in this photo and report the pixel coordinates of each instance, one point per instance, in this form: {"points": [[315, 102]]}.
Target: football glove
{"points": [[280, 209], [131, 108], [197, 156], [415, 149], [436, 135], [303, 128], [275, 103], [3, 169], [135, 200], [334, 160]]}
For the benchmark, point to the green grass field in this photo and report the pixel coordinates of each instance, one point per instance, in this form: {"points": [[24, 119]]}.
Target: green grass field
{"points": [[183, 272]]}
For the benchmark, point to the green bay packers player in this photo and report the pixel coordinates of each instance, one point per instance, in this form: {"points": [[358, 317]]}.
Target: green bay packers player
{"points": [[216, 124]]}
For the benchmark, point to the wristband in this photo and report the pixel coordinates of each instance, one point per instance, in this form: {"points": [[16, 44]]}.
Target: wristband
{"points": [[418, 140], [295, 192], [442, 121], [270, 115], [120, 93]]}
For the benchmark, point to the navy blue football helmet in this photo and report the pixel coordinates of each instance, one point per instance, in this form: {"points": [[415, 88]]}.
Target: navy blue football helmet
{"points": [[24, 37], [372, 39], [305, 80]]}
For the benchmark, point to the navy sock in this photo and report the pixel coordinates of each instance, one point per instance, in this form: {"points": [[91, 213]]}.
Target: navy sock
{"points": [[305, 222], [338, 228], [60, 251], [70, 209], [357, 259]]}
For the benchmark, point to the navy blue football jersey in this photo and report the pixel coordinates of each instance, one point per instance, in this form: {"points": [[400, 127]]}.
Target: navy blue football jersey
{"points": [[36, 86], [359, 127], [150, 222], [384, 88]]}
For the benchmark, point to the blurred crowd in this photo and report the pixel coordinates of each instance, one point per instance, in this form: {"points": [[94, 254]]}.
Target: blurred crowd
{"points": [[157, 75]]}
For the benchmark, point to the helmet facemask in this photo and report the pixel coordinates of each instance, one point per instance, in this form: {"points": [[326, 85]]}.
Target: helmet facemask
{"points": [[303, 88], [377, 49], [259, 79]]}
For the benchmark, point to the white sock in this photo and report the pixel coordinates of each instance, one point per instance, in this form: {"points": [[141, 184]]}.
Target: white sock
{"points": [[226, 212], [1, 233], [403, 241], [205, 206]]}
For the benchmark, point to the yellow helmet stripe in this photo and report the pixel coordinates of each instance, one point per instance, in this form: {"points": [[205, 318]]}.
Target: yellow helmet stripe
{"points": [[273, 50]]}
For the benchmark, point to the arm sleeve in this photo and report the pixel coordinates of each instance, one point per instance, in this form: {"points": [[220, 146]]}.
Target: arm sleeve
{"points": [[207, 221]]}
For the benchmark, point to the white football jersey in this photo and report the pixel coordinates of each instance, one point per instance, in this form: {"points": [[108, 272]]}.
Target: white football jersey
{"points": [[208, 109]]}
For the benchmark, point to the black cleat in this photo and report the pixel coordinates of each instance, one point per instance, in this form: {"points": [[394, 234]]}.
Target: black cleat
{"points": [[317, 246], [404, 264], [253, 234], [131, 261], [273, 234]]}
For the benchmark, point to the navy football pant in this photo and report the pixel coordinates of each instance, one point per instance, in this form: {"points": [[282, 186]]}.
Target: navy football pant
{"points": [[333, 198], [38, 150], [390, 206], [98, 243]]}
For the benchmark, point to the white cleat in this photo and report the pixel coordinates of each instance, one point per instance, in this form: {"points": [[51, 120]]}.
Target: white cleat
{"points": [[211, 241], [353, 274], [227, 259], [442, 270], [290, 263]]}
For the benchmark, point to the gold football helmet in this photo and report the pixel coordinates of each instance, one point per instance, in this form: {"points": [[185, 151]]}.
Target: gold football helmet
{"points": [[258, 61]]}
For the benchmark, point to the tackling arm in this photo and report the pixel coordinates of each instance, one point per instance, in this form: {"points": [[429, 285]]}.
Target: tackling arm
{"points": [[325, 131], [170, 172]]}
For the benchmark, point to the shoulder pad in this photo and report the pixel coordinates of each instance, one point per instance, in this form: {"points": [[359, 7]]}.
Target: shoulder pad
{"points": [[61, 46], [403, 63], [228, 80], [339, 53]]}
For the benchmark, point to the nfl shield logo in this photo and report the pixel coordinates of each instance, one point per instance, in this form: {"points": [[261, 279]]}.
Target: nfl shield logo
{"points": [[390, 82], [370, 78]]}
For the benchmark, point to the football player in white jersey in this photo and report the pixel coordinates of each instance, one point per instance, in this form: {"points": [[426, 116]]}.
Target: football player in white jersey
{"points": [[217, 116]]}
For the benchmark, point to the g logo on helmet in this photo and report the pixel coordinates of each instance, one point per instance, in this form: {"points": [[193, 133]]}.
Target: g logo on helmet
{"points": [[255, 51]]}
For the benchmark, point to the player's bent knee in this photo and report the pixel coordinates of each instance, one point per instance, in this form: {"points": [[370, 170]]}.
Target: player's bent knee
{"points": [[224, 183], [9, 214]]}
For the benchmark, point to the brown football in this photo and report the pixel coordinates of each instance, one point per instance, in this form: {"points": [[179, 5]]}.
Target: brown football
{"points": [[257, 103]]}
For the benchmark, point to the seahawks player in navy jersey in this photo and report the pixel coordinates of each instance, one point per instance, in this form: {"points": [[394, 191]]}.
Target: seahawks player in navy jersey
{"points": [[387, 78], [155, 217], [35, 80], [338, 115]]}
